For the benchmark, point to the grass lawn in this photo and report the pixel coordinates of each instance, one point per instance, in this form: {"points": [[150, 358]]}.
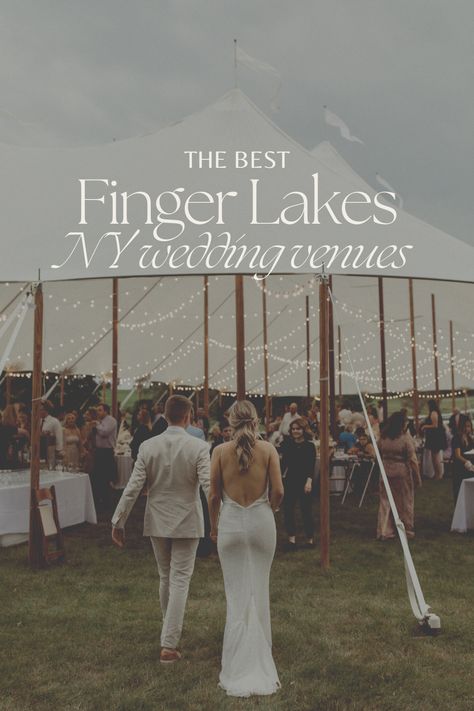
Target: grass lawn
{"points": [[86, 635]]}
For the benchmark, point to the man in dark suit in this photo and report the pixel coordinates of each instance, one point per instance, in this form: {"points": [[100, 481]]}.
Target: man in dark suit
{"points": [[158, 423]]}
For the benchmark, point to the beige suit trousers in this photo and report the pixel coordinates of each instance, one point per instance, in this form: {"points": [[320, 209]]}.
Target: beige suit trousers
{"points": [[175, 558]]}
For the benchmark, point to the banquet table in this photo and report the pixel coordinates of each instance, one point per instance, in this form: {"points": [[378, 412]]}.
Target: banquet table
{"points": [[124, 470], [73, 495], [463, 518], [339, 468]]}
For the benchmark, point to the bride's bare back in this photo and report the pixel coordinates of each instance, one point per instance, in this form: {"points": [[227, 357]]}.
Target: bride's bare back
{"points": [[246, 487]]}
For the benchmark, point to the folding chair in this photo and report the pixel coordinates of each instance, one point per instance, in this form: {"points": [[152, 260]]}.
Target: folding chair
{"points": [[47, 512], [369, 477], [349, 480]]}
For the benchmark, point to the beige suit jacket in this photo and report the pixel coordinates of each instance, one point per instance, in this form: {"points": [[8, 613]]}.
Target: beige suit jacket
{"points": [[172, 465]]}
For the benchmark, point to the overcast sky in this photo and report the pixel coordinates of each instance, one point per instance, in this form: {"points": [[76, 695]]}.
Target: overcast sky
{"points": [[399, 72]]}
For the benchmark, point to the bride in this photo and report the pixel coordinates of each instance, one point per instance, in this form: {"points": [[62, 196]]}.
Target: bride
{"points": [[244, 472]]}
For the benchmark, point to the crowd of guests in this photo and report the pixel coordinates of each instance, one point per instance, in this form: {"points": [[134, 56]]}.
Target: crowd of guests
{"points": [[88, 441]]}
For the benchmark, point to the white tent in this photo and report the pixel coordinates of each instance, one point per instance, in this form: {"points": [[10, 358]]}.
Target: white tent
{"points": [[161, 332], [41, 208]]}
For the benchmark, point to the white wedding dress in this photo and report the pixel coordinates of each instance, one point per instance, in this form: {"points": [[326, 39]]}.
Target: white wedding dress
{"points": [[246, 544]]}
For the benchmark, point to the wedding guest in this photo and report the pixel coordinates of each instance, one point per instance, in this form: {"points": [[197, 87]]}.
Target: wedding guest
{"points": [[374, 421], [104, 469], [226, 436], [298, 457], [202, 421], [159, 423], [288, 418], [398, 454], [347, 439], [193, 428], [456, 421], [463, 467], [365, 452], [8, 431], [72, 441], [344, 415], [380, 411], [52, 434], [88, 439], [23, 436], [143, 432], [435, 437]]}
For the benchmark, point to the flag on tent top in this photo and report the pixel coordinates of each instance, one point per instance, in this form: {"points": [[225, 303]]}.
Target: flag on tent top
{"points": [[333, 120], [258, 65]]}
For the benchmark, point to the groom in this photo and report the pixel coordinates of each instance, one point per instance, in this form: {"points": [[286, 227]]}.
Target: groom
{"points": [[172, 465]]}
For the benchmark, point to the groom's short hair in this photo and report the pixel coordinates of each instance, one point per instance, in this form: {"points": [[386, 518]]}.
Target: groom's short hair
{"points": [[176, 408]]}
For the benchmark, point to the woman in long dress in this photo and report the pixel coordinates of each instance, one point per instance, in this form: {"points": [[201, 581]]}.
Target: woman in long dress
{"points": [[246, 477], [398, 453], [72, 443]]}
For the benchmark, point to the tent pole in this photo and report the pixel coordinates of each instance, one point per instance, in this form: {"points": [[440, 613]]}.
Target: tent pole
{"points": [[115, 289], [435, 346], [382, 348], [61, 390], [265, 355], [416, 412], [324, 420], [339, 359], [332, 369], [34, 546], [308, 351], [451, 349], [206, 345], [240, 335]]}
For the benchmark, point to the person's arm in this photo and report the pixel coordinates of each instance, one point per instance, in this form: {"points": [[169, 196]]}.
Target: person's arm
{"points": [[128, 498], [203, 469], [434, 422], [276, 483], [311, 462], [215, 492], [413, 462]]}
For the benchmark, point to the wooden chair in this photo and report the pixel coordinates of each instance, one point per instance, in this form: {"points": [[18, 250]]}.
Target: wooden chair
{"points": [[52, 544]]}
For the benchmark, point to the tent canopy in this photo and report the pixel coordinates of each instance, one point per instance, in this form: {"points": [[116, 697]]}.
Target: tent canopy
{"points": [[42, 209]]}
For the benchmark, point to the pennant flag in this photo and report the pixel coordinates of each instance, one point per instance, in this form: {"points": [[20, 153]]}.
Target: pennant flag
{"points": [[387, 185], [333, 120], [258, 66]]}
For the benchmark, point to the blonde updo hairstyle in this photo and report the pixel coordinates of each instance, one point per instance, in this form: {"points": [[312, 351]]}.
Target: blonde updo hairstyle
{"points": [[243, 419]]}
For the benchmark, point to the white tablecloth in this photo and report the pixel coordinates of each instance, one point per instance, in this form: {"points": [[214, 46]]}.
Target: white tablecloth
{"points": [[463, 518], [73, 494], [124, 469]]}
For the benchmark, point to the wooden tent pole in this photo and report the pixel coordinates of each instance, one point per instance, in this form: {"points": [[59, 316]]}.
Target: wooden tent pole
{"points": [[265, 355], [332, 368], [324, 420], [115, 320], [451, 351], [435, 346], [206, 345], [382, 348], [240, 335], [61, 390], [308, 351], [34, 546], [416, 409]]}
